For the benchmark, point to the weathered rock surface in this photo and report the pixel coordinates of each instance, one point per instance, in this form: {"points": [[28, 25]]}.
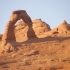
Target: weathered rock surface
{"points": [[63, 27], [1, 36], [22, 31], [63, 30], [25, 17], [9, 30], [16, 15], [10, 26]]}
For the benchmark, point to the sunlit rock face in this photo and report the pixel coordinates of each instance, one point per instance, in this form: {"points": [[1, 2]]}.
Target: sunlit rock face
{"points": [[22, 31], [9, 34]]}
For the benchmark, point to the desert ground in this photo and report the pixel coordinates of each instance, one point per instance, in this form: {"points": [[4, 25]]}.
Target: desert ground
{"points": [[49, 53]]}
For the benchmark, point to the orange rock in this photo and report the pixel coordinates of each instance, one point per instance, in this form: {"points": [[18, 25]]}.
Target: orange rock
{"points": [[22, 31], [9, 33], [1, 36]]}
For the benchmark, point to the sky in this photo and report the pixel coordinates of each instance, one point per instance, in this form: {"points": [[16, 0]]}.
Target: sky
{"points": [[53, 12]]}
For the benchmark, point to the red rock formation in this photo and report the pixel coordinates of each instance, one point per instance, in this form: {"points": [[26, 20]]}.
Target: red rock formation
{"points": [[22, 31], [9, 30], [26, 18], [63, 27], [40, 27], [16, 15]]}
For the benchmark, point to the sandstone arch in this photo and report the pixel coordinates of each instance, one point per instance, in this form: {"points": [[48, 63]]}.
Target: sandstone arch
{"points": [[9, 30], [16, 15]]}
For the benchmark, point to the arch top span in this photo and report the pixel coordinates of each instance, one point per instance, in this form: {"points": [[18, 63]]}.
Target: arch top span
{"points": [[22, 14]]}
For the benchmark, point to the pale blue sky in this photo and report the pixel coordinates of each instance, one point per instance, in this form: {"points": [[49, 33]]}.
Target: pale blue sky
{"points": [[52, 12]]}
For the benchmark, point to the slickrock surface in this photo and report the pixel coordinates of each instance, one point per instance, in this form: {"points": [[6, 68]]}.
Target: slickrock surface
{"points": [[23, 32], [64, 27], [51, 53]]}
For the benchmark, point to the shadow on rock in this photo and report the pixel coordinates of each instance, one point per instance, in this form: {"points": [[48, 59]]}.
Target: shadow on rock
{"points": [[46, 39]]}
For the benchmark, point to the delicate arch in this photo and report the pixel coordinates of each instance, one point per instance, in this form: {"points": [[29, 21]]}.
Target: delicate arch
{"points": [[16, 15]]}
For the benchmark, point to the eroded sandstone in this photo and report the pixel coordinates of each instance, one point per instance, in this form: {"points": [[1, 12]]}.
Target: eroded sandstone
{"points": [[10, 26]]}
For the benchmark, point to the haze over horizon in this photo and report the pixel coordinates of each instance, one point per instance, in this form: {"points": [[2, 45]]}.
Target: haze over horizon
{"points": [[53, 12]]}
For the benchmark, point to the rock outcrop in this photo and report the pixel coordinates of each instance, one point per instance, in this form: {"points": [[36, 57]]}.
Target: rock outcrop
{"points": [[10, 26], [60, 31], [63, 27], [22, 31], [16, 15]]}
